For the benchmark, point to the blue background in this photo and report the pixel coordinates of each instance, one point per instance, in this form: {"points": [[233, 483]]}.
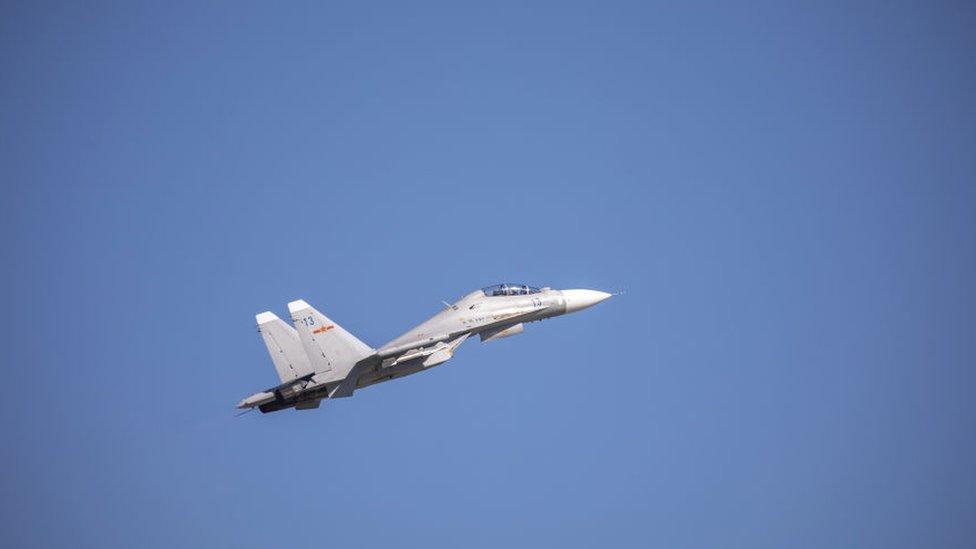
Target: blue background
{"points": [[786, 191]]}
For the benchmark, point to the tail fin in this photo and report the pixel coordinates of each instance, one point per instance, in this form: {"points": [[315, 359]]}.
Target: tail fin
{"points": [[284, 346], [328, 346]]}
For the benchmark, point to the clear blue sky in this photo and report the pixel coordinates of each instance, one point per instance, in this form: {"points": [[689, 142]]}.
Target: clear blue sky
{"points": [[785, 191]]}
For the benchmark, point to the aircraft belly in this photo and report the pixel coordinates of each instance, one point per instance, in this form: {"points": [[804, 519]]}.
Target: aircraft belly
{"points": [[391, 372]]}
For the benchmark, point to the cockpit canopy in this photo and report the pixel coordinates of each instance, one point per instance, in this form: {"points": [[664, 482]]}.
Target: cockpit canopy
{"points": [[509, 289]]}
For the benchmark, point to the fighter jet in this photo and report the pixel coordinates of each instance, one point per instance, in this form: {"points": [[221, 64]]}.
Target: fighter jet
{"points": [[318, 359]]}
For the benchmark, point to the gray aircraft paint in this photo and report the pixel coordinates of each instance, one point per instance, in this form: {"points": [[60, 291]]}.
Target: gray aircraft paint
{"points": [[318, 359], [284, 346]]}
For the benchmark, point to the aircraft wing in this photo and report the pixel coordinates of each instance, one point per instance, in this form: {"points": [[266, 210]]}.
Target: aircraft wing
{"points": [[403, 345], [346, 387]]}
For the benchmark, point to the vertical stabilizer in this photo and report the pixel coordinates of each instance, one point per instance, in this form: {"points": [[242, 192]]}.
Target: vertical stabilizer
{"points": [[284, 346], [329, 347]]}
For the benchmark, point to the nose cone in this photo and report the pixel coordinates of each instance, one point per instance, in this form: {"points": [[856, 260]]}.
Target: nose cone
{"points": [[577, 300]]}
